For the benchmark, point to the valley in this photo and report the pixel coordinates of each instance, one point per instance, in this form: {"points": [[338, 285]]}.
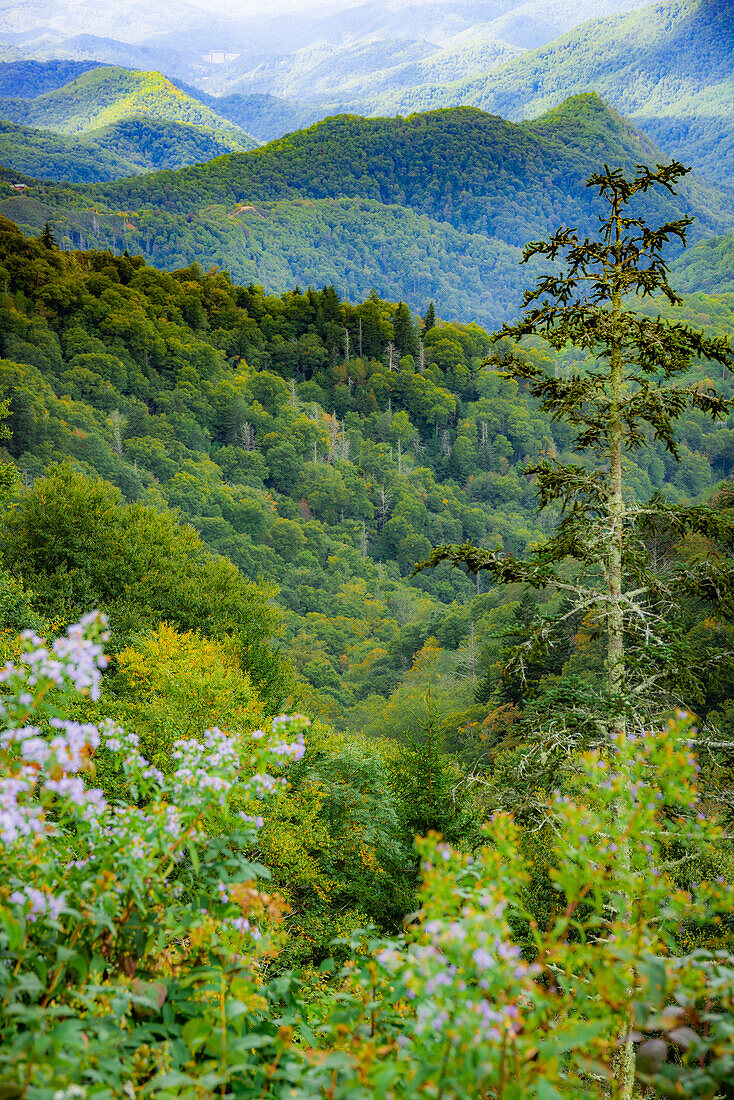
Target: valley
{"points": [[366, 533]]}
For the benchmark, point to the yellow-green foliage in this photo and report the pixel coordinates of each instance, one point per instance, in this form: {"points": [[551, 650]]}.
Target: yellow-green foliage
{"points": [[428, 691], [332, 842], [172, 685]]}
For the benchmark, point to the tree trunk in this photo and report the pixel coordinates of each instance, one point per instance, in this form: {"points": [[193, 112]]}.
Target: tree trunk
{"points": [[625, 1068]]}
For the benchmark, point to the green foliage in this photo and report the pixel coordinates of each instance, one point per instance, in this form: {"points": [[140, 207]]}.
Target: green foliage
{"points": [[105, 95], [132, 936], [322, 475], [486, 999], [170, 686], [79, 546], [136, 144], [336, 845], [372, 203], [684, 102]]}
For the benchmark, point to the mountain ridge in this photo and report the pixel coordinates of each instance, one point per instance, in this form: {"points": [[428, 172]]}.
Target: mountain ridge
{"points": [[104, 95], [375, 203], [408, 161], [666, 67]]}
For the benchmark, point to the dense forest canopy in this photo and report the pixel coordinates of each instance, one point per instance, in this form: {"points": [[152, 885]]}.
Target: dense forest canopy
{"points": [[321, 446], [683, 102], [407, 161], [369, 203], [201, 896]]}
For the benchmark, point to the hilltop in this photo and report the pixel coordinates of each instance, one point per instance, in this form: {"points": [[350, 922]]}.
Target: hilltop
{"points": [[514, 180], [666, 67], [104, 96]]}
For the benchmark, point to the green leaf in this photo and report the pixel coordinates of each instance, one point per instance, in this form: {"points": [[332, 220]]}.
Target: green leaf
{"points": [[545, 1091], [234, 1009], [196, 1032]]}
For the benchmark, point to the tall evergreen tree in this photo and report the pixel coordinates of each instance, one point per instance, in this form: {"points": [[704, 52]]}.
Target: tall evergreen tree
{"points": [[635, 389], [47, 238], [429, 321], [406, 338], [375, 328]]}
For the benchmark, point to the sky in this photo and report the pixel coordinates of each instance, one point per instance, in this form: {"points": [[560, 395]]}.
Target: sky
{"points": [[274, 7]]}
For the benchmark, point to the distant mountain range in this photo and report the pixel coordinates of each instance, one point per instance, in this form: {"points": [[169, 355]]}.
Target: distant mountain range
{"points": [[317, 51], [124, 122], [669, 67], [434, 206]]}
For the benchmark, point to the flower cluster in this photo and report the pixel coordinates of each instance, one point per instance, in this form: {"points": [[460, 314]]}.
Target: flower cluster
{"points": [[75, 661], [96, 850], [463, 971], [37, 902]]}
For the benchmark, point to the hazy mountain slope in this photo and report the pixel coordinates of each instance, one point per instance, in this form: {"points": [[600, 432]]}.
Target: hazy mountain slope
{"points": [[281, 25], [313, 49], [105, 96], [29, 79], [126, 148], [331, 71], [263, 115], [668, 67], [48, 46], [133, 21]]}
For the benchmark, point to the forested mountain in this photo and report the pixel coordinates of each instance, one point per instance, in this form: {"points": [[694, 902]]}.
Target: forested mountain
{"points": [[373, 203], [306, 49], [28, 79], [83, 123], [667, 67], [40, 153], [320, 446], [514, 180], [133, 145], [708, 266], [261, 114], [107, 95]]}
